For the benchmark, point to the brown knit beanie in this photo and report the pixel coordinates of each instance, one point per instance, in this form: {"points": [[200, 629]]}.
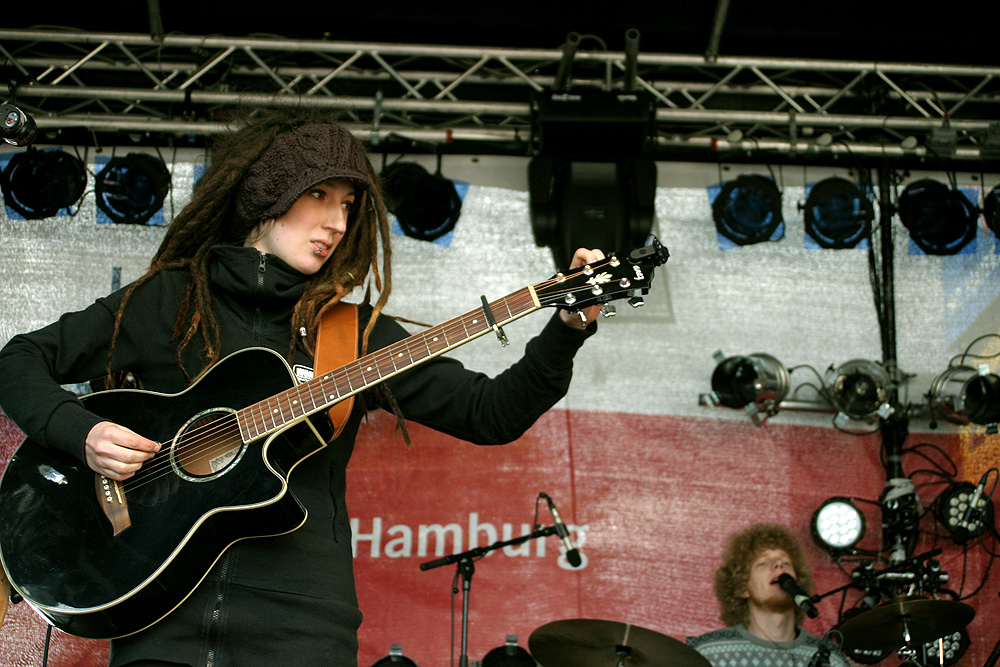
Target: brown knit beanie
{"points": [[293, 163]]}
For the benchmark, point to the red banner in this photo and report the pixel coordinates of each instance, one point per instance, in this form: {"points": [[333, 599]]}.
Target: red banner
{"points": [[649, 500]]}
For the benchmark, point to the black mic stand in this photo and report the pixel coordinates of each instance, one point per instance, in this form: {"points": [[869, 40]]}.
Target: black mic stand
{"points": [[466, 569]]}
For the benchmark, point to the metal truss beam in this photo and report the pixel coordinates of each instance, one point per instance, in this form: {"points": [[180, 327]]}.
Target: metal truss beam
{"points": [[480, 100]]}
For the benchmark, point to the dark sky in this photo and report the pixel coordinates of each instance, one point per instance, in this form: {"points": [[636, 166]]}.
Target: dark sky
{"points": [[869, 30]]}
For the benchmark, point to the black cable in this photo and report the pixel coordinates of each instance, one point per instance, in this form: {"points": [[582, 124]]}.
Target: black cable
{"points": [[986, 575], [961, 357], [965, 566], [992, 554], [820, 391], [915, 449]]}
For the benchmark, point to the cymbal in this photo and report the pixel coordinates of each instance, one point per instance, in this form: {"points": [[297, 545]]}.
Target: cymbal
{"points": [[923, 619], [587, 642]]}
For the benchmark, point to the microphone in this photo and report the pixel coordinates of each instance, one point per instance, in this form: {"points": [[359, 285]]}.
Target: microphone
{"points": [[572, 555], [973, 508], [801, 599]]}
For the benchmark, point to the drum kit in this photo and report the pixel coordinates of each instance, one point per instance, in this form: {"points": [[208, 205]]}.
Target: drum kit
{"points": [[906, 622]]}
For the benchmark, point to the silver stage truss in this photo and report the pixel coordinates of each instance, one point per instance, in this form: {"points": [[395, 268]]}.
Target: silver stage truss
{"points": [[475, 100]]}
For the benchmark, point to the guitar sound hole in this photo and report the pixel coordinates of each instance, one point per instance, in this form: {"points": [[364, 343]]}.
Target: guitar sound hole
{"points": [[208, 445]]}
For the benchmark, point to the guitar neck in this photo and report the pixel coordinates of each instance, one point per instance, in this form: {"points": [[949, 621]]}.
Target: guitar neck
{"points": [[272, 414]]}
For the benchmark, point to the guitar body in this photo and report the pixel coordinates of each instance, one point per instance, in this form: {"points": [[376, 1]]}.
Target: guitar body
{"points": [[59, 547]]}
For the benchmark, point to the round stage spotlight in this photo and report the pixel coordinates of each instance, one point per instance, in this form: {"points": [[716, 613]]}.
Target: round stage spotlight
{"points": [[427, 206], [953, 509], [945, 396], [941, 221], [837, 214], [131, 189], [963, 395], [16, 127], [37, 184], [981, 397], [756, 382], [748, 210], [838, 525], [860, 389]]}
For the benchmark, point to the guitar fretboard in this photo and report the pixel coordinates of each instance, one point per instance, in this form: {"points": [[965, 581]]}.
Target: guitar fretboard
{"points": [[269, 415]]}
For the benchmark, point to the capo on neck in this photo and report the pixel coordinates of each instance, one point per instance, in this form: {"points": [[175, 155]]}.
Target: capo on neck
{"points": [[501, 336]]}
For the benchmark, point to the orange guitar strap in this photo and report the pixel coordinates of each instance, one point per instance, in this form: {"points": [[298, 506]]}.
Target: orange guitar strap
{"points": [[4, 595], [336, 346]]}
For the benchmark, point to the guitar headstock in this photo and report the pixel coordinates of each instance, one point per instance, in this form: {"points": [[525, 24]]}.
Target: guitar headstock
{"points": [[614, 277]]}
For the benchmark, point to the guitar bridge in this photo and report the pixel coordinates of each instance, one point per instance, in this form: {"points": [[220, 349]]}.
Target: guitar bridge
{"points": [[111, 497]]}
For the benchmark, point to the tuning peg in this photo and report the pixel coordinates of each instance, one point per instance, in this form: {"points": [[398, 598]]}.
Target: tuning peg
{"points": [[636, 302], [608, 310]]}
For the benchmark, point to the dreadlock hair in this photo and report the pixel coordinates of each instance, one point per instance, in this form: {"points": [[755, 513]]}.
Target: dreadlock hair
{"points": [[742, 549], [209, 219]]}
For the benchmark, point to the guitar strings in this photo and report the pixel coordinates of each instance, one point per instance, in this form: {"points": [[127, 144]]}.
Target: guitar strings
{"points": [[193, 451], [201, 440]]}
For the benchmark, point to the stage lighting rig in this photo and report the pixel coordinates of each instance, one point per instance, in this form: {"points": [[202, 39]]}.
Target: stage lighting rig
{"points": [[966, 510], [756, 382], [837, 214], [982, 398], [592, 174], [748, 209], [131, 189], [16, 127], [946, 397], [838, 525], [427, 206], [963, 395], [38, 184], [859, 389], [941, 220]]}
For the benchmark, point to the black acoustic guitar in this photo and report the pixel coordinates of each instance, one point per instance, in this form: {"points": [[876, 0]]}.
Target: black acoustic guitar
{"points": [[104, 559]]}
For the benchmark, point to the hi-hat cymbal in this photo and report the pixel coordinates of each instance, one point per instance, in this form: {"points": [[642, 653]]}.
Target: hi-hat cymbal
{"points": [[587, 642], [905, 622]]}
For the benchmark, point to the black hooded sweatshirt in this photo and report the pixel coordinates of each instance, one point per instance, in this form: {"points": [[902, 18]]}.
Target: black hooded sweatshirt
{"points": [[288, 599]]}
